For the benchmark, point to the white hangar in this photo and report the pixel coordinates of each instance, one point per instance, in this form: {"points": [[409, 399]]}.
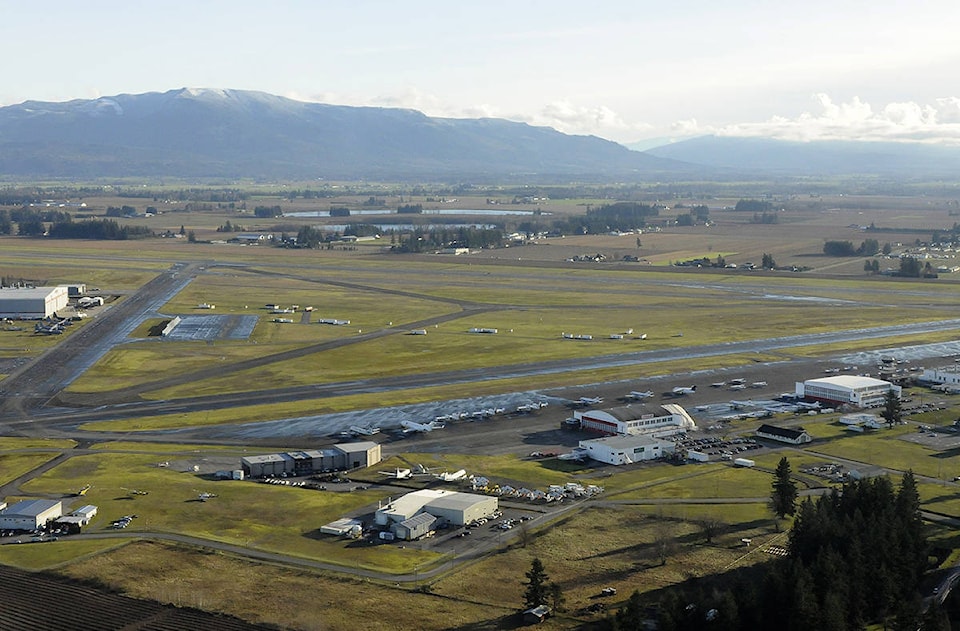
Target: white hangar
{"points": [[627, 419], [32, 303], [627, 449], [30, 514], [864, 392], [454, 507]]}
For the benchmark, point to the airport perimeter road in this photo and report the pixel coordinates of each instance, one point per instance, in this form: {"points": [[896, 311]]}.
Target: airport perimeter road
{"points": [[34, 384]]}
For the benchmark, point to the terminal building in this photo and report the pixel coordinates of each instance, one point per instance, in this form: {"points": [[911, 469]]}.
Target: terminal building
{"points": [[30, 514], [296, 463], [32, 303], [864, 392], [627, 449], [629, 420]]}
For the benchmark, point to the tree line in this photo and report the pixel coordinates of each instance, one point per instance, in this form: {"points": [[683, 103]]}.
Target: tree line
{"points": [[855, 557]]}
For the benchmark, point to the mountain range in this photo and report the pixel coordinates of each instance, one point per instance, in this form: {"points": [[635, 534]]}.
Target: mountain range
{"points": [[213, 133], [237, 133]]}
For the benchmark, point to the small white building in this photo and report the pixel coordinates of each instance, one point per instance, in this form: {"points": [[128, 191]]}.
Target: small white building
{"points": [[627, 449], [862, 419], [30, 514], [32, 303], [864, 392], [635, 420]]}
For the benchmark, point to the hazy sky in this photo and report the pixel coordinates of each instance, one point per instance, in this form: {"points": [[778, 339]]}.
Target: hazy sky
{"points": [[624, 70]]}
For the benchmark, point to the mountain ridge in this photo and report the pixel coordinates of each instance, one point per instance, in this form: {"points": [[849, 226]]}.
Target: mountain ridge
{"points": [[208, 132]]}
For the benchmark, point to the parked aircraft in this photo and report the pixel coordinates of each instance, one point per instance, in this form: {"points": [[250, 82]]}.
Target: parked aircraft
{"points": [[359, 430], [739, 381], [758, 384], [399, 474], [633, 394], [589, 400], [411, 426], [682, 390], [738, 386], [718, 384], [808, 406], [452, 477], [204, 496]]}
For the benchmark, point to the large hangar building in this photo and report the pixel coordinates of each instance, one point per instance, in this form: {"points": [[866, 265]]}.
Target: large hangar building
{"points": [[454, 507], [629, 420], [30, 514], [32, 303], [294, 463], [864, 392]]}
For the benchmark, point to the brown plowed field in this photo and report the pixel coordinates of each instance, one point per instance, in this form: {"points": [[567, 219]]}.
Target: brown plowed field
{"points": [[42, 602]]}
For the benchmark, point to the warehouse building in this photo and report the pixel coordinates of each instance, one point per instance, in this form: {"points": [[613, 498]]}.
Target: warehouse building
{"points": [[864, 392], [945, 376], [32, 303], [452, 506], [30, 514], [784, 434], [629, 420], [417, 526], [296, 463], [627, 449]]}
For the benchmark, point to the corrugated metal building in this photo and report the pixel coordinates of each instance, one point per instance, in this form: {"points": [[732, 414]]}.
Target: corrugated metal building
{"points": [[296, 463], [619, 450], [863, 392], [414, 527], [32, 303], [628, 419], [30, 514]]}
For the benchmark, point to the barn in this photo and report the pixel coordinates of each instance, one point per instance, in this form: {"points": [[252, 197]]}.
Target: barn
{"points": [[784, 434], [864, 392], [32, 303]]}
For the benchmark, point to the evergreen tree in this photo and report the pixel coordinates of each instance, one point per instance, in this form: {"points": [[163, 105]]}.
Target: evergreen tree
{"points": [[536, 591], [892, 412], [784, 493]]}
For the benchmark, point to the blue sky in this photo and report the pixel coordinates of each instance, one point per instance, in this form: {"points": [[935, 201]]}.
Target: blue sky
{"points": [[618, 69]]}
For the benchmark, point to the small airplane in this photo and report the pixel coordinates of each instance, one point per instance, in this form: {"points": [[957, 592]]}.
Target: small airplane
{"points": [[808, 406], [452, 477], [135, 491], [412, 426], [203, 497], [739, 381], [738, 386], [589, 400], [718, 384], [679, 391], [359, 430], [83, 490], [758, 384], [399, 474], [633, 394]]}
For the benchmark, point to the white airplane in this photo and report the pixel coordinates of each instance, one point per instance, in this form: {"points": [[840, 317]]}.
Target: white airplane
{"points": [[718, 384], [633, 394], [399, 474], [738, 386], [359, 430], [411, 426], [452, 477], [808, 406], [682, 390], [589, 400], [738, 381], [758, 384]]}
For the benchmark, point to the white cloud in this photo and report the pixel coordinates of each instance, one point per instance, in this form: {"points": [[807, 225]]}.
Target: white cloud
{"points": [[937, 122]]}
